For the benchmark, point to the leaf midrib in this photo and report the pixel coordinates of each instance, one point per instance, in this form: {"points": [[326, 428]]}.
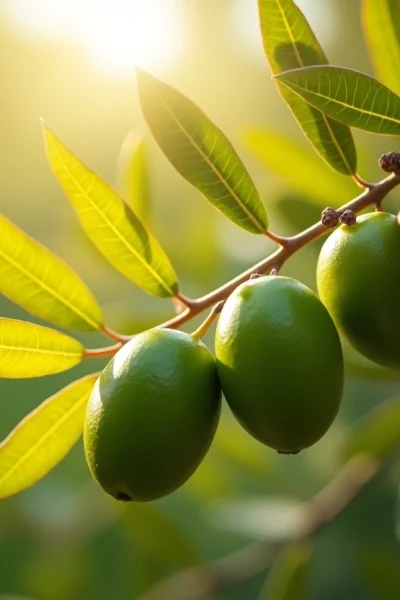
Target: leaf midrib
{"points": [[40, 351], [42, 440], [48, 289], [110, 224], [214, 170], [324, 117], [346, 105]]}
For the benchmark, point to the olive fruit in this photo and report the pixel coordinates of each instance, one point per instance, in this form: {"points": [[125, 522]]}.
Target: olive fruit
{"points": [[280, 362], [152, 415]]}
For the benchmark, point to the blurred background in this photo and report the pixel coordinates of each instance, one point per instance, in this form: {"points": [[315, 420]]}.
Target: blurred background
{"points": [[72, 63]]}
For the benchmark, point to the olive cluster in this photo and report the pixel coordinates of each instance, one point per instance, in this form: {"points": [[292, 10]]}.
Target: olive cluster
{"points": [[278, 361]]}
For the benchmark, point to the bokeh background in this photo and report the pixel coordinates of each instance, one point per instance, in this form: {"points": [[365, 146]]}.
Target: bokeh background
{"points": [[71, 62]]}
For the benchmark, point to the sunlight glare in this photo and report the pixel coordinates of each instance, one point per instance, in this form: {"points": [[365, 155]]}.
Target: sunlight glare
{"points": [[117, 34]]}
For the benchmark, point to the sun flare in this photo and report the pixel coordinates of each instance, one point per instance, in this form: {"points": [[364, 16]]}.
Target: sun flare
{"points": [[117, 34]]}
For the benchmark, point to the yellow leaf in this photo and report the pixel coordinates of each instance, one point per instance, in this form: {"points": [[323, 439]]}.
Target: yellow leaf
{"points": [[40, 282], [110, 224], [28, 350], [43, 437]]}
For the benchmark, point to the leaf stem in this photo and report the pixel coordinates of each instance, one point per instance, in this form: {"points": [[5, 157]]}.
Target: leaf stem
{"points": [[361, 182], [114, 335], [203, 328], [282, 241], [101, 352]]}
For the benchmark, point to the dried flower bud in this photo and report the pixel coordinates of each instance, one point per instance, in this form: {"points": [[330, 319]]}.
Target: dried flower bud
{"points": [[348, 218], [390, 162], [329, 217], [256, 275]]}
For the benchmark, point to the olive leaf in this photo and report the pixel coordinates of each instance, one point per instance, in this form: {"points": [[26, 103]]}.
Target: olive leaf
{"points": [[40, 282], [201, 153], [43, 437], [290, 43], [29, 350], [110, 224]]}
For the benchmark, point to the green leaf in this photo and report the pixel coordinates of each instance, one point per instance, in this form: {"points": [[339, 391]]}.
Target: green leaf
{"points": [[300, 168], [378, 433], [28, 350], [133, 175], [156, 533], [288, 578], [290, 43], [201, 153], [110, 224], [349, 96], [381, 19], [43, 437], [40, 282]]}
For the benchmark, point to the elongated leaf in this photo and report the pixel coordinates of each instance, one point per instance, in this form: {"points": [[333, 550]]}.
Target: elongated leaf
{"points": [[133, 175], [40, 282], [288, 578], [307, 173], [109, 222], [201, 153], [378, 433], [349, 96], [43, 437], [290, 43], [28, 350], [381, 19]]}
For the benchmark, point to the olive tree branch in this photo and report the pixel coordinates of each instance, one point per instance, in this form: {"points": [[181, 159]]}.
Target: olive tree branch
{"points": [[322, 509], [372, 195]]}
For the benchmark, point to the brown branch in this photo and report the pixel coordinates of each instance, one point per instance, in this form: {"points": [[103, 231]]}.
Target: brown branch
{"points": [[322, 509], [371, 196]]}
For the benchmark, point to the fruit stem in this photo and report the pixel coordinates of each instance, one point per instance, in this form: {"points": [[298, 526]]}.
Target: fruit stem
{"points": [[101, 352], [215, 311]]}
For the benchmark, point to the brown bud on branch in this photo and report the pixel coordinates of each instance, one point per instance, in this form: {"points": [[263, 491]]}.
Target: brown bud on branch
{"points": [[330, 217], [348, 218], [390, 162]]}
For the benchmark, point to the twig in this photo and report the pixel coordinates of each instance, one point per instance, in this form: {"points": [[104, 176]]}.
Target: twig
{"points": [[321, 510], [371, 196]]}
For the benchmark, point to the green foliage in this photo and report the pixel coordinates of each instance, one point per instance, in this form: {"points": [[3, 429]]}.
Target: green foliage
{"points": [[28, 350], [43, 438], [290, 43], [110, 224], [381, 20], [325, 101], [201, 153], [42, 283], [349, 96]]}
